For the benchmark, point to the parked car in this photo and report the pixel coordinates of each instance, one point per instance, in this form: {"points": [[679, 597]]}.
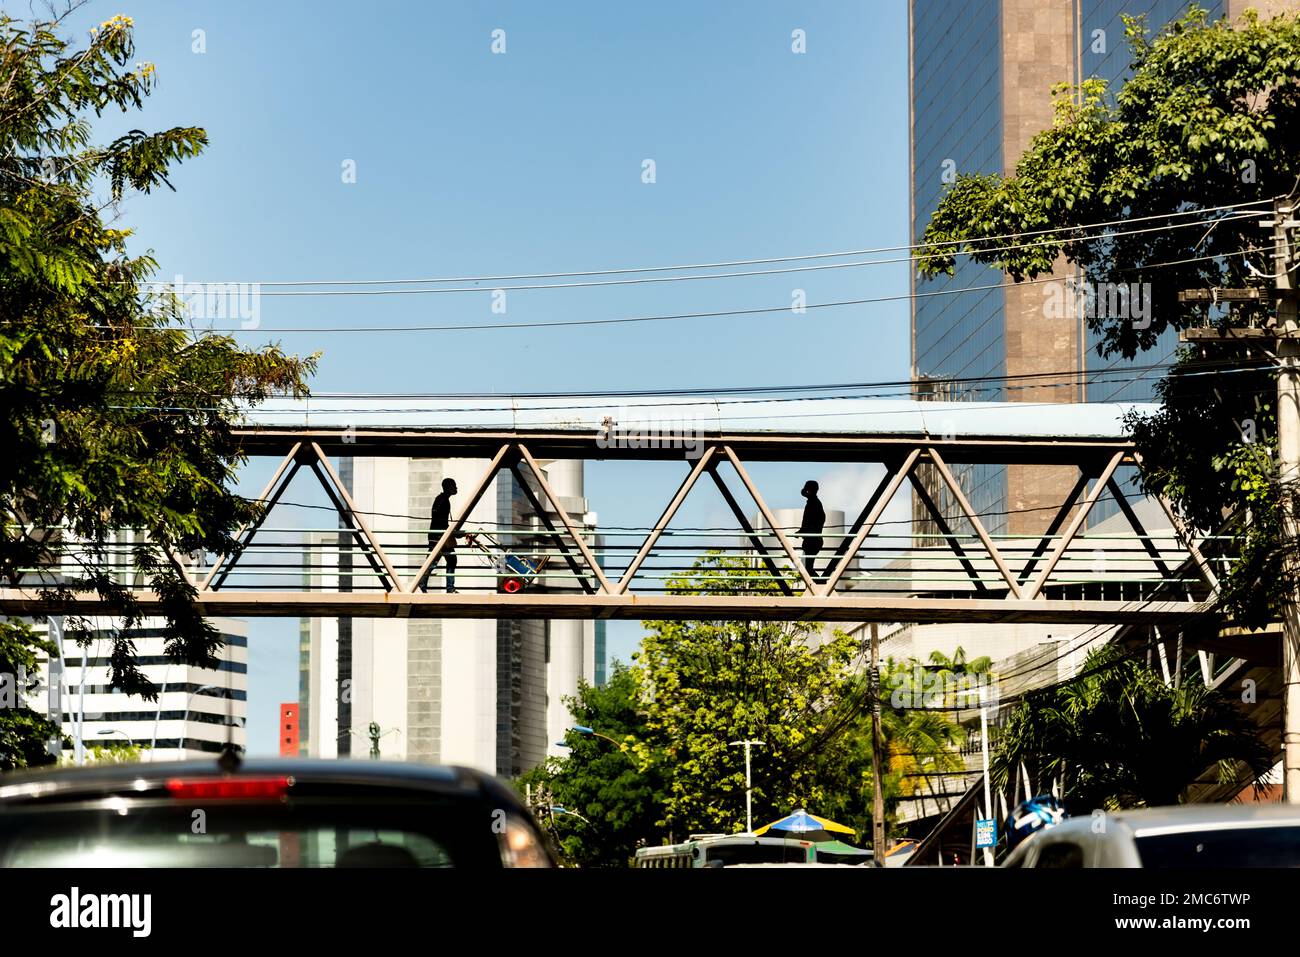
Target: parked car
{"points": [[265, 813], [1191, 836]]}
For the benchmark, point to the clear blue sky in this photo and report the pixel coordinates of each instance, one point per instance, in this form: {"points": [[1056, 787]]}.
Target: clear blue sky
{"points": [[473, 163]]}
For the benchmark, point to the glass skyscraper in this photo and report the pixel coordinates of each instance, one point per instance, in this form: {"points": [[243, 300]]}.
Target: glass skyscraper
{"points": [[980, 82]]}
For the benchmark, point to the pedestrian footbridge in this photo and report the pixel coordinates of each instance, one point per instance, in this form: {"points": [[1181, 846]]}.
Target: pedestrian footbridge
{"points": [[1040, 559]]}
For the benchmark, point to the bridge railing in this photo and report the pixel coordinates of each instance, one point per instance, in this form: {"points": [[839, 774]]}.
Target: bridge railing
{"points": [[372, 562]]}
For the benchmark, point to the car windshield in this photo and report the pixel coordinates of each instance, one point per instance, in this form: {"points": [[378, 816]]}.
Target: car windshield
{"points": [[728, 854], [1277, 846], [248, 835]]}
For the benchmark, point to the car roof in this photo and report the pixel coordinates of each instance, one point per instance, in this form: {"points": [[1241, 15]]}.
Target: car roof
{"points": [[61, 783], [1196, 816], [1171, 820]]}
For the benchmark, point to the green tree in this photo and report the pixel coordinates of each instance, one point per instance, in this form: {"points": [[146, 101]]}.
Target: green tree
{"points": [[713, 682], [112, 416], [919, 720], [1118, 736], [24, 733], [114, 752], [1221, 472], [669, 769], [1208, 121], [1209, 117], [614, 790]]}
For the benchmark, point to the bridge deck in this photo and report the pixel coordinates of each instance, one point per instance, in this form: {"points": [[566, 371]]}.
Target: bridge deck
{"points": [[840, 608]]}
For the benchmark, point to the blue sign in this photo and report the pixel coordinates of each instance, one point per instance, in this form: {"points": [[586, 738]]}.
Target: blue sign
{"points": [[986, 833]]}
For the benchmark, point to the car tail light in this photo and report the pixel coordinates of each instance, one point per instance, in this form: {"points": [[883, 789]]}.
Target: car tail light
{"points": [[521, 846], [206, 789]]}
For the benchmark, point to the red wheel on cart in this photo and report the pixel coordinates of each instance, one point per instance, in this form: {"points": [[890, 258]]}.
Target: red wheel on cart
{"points": [[512, 585]]}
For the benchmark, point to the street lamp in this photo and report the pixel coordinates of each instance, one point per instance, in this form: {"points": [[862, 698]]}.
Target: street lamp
{"points": [[78, 745], [185, 720], [984, 748], [593, 733], [129, 742], [557, 809], [153, 743], [374, 733], [749, 789]]}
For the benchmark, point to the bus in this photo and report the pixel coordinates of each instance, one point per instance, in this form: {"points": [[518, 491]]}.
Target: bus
{"points": [[722, 850]]}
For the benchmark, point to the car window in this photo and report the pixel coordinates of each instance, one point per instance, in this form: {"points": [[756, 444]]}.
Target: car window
{"points": [[246, 835], [1060, 854], [726, 854], [1225, 847]]}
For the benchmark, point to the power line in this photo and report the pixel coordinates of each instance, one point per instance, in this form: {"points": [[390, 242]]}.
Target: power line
{"points": [[704, 276], [788, 309], [951, 407], [848, 389], [782, 259]]}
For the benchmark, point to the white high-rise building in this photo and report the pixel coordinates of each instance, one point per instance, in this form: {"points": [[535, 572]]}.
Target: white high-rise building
{"points": [[483, 693], [198, 709]]}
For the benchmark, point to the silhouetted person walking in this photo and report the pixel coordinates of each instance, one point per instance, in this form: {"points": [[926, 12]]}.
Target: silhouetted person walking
{"points": [[439, 522], [814, 520]]}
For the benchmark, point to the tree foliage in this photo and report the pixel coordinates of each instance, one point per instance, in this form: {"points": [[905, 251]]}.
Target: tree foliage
{"points": [[112, 416], [1208, 120], [1211, 449], [697, 686], [1118, 736], [1209, 117], [712, 683], [613, 793]]}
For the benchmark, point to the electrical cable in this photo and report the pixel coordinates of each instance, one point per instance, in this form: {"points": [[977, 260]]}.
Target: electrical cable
{"points": [[800, 258], [625, 320]]}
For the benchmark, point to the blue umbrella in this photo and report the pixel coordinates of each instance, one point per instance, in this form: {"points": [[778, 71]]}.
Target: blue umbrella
{"points": [[803, 826]]}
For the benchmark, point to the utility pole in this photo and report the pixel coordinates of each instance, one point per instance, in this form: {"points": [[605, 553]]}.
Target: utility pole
{"points": [[984, 750], [877, 757], [1284, 336], [749, 788], [1288, 452]]}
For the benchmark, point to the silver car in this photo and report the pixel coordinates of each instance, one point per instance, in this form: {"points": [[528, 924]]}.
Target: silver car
{"points": [[1190, 836]]}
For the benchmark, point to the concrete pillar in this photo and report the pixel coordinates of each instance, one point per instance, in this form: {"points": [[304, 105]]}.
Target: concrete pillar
{"points": [[566, 664]]}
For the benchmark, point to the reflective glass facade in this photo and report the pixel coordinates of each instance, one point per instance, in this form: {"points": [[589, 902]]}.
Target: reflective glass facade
{"points": [[1105, 54], [960, 72], [957, 128]]}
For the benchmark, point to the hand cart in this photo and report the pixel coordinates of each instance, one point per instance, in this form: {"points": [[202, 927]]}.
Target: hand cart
{"points": [[514, 572]]}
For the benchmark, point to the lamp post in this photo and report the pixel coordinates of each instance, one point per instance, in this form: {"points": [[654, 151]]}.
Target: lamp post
{"points": [[593, 733], [984, 748], [153, 742], [185, 720], [557, 809], [78, 746], [129, 742], [749, 784], [374, 733]]}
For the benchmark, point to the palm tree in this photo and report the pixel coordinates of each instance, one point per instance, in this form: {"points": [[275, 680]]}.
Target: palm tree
{"points": [[952, 670], [958, 664], [1119, 736], [922, 737]]}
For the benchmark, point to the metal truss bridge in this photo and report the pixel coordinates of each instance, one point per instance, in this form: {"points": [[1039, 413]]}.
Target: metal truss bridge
{"points": [[946, 565]]}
